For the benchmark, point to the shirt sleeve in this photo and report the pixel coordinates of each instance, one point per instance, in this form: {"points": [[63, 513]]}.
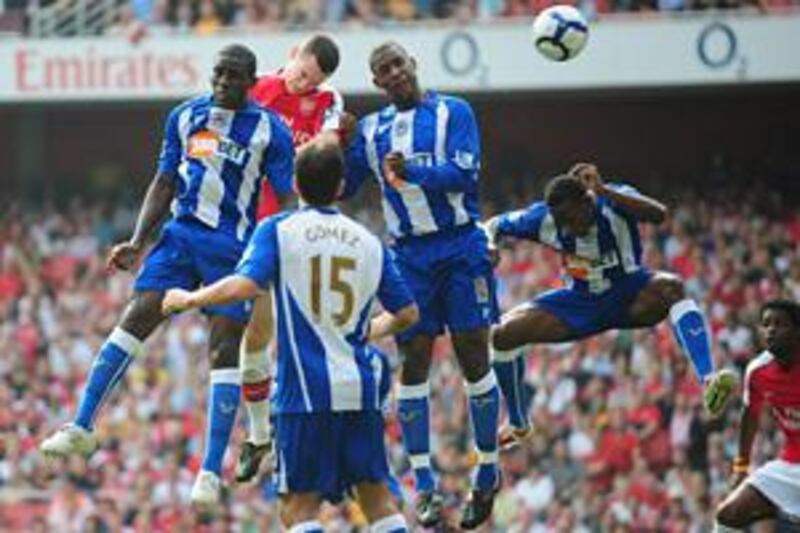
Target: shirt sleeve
{"points": [[625, 189], [459, 170], [171, 149], [260, 259], [752, 397], [357, 168], [393, 292], [523, 223], [278, 161]]}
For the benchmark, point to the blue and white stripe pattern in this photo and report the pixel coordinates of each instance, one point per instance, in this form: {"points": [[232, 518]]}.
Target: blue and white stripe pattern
{"points": [[219, 156], [439, 135], [611, 250], [327, 271]]}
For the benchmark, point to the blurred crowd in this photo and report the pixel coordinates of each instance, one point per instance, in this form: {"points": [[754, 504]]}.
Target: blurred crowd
{"points": [[137, 18], [622, 442]]}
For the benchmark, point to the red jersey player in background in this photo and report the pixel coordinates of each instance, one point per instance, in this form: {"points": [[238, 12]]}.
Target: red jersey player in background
{"points": [[298, 93], [772, 381]]}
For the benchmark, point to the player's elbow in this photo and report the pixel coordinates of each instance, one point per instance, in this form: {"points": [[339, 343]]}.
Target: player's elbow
{"points": [[658, 214], [407, 317]]}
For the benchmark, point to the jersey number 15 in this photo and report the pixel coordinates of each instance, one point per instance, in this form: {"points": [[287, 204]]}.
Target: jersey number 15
{"points": [[339, 265]]}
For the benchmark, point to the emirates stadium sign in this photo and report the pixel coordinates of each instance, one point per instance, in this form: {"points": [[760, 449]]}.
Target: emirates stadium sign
{"points": [[693, 50]]}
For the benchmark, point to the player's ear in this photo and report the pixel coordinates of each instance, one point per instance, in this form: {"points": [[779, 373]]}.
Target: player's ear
{"points": [[293, 51], [413, 63]]}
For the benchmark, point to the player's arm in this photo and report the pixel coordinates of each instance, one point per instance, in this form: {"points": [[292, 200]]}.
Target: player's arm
{"points": [[157, 199], [641, 207], [748, 427], [278, 161], [459, 170], [357, 168], [521, 224], [400, 310]]}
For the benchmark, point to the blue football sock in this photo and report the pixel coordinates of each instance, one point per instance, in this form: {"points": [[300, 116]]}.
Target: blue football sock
{"points": [[223, 403], [108, 369], [691, 331], [413, 412], [484, 409], [509, 367]]}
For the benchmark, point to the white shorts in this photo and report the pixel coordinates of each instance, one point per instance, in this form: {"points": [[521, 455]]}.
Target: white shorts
{"points": [[779, 482]]}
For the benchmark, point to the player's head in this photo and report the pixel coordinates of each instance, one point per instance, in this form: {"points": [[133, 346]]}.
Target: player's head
{"points": [[311, 63], [571, 203], [394, 71], [233, 75], [318, 171], [780, 328]]}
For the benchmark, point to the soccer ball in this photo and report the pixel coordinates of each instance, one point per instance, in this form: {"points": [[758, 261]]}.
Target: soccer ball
{"points": [[560, 32]]}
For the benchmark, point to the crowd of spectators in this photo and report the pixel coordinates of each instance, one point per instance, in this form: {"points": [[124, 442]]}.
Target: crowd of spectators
{"points": [[138, 18], [623, 444]]}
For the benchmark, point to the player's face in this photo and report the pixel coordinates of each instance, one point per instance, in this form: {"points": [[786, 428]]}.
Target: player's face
{"points": [[779, 333], [302, 73], [395, 73], [576, 217], [230, 82]]}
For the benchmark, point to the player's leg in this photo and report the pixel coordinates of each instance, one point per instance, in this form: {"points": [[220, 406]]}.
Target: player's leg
{"points": [[255, 366], [377, 503], [664, 295], [544, 320], [413, 412], [744, 506], [222, 403], [165, 267], [468, 293], [139, 319], [299, 512]]}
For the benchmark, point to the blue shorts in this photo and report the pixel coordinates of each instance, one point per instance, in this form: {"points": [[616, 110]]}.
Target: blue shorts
{"points": [[329, 452], [452, 280], [190, 254], [587, 314]]}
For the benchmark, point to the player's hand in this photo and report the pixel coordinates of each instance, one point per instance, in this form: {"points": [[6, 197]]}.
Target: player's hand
{"points": [[175, 301], [589, 175], [394, 169], [348, 123], [123, 256]]}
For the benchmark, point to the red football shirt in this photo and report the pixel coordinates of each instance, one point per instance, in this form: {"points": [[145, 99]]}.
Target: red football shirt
{"points": [[306, 115], [768, 384]]}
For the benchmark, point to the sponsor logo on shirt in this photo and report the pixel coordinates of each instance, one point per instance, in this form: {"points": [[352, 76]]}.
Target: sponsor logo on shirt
{"points": [[205, 144]]}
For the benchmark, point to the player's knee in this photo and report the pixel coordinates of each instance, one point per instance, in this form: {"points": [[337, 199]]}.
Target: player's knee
{"points": [[225, 352], [729, 515], [672, 290], [500, 338]]}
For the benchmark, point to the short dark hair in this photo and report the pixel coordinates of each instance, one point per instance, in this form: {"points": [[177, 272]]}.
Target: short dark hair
{"points": [[325, 51], [318, 169], [563, 189], [791, 308], [382, 49], [243, 54]]}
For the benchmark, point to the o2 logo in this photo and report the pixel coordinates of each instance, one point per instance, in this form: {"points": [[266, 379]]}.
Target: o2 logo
{"points": [[718, 48]]}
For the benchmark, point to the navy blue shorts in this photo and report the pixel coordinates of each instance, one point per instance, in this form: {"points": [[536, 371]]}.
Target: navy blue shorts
{"points": [[452, 280], [329, 452], [587, 314], [189, 254]]}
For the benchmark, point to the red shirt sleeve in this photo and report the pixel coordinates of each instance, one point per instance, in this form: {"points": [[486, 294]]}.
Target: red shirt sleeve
{"points": [[753, 397]]}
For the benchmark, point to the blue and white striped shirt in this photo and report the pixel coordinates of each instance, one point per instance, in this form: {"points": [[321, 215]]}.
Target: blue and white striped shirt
{"points": [[326, 271], [612, 249], [439, 139], [219, 156]]}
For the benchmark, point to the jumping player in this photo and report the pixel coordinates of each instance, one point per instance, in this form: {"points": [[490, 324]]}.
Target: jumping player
{"points": [[216, 149], [595, 226], [326, 271]]}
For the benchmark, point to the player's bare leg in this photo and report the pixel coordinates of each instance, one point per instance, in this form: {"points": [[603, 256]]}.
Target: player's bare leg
{"points": [[222, 406], [525, 324], [299, 510], [255, 366], [664, 296], [378, 506], [414, 414], [471, 349], [743, 507], [140, 318]]}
